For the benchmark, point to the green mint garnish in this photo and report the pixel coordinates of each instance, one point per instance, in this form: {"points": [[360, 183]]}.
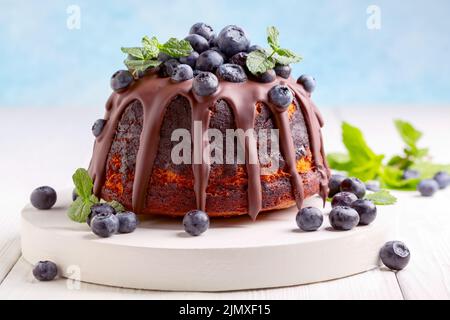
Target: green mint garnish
{"points": [[80, 209], [142, 58], [382, 198], [362, 162], [261, 61]]}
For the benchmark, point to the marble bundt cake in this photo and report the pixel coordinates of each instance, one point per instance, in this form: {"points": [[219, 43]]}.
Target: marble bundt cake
{"points": [[132, 162]]}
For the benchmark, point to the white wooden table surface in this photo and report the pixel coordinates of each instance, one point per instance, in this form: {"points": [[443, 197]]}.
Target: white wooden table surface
{"points": [[45, 146]]}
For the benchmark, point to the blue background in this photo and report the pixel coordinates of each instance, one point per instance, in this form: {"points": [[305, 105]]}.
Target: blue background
{"points": [[43, 63]]}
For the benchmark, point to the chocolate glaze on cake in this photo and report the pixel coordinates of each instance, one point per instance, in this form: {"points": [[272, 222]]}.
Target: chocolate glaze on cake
{"points": [[142, 107]]}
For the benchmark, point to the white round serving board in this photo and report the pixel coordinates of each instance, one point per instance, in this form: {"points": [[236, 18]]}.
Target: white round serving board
{"points": [[234, 254]]}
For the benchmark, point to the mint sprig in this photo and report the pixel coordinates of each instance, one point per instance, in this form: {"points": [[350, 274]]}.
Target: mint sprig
{"points": [[362, 162], [261, 61], [80, 209], [382, 198], [143, 58]]}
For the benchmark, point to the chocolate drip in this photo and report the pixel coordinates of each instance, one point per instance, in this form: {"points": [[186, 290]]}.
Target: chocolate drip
{"points": [[155, 94]]}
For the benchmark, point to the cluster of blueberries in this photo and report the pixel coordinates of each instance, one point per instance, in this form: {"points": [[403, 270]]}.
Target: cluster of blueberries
{"points": [[215, 57], [350, 209], [105, 221], [429, 187]]}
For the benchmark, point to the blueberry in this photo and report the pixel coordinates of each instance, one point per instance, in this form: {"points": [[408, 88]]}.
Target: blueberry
{"points": [[97, 127], [309, 219], [197, 72], [367, 211], [354, 186], [99, 208], [240, 59], [266, 77], [395, 255], [443, 179], [232, 39], [166, 68], [216, 49], [190, 60], [281, 96], [255, 48], [183, 72], [428, 188], [335, 184], [196, 222], [45, 271], [283, 71], [209, 61], [105, 224], [202, 29], [343, 199], [74, 194], [344, 218], [373, 185], [308, 83], [197, 42], [121, 80], [410, 174], [205, 84], [43, 198], [128, 222], [213, 41], [231, 73], [163, 57]]}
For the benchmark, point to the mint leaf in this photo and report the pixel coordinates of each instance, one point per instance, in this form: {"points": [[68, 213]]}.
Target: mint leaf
{"points": [[382, 198], [151, 47], [392, 178], [141, 65], [176, 48], [409, 134], [428, 170], [286, 57], [273, 36], [339, 161], [360, 153], [138, 53], [83, 183], [259, 62], [80, 209]]}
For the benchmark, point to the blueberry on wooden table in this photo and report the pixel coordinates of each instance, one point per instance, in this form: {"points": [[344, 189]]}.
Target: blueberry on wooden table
{"points": [[428, 188], [344, 218], [395, 255], [355, 186], [43, 198], [45, 271], [343, 199], [443, 179], [196, 222], [309, 219]]}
